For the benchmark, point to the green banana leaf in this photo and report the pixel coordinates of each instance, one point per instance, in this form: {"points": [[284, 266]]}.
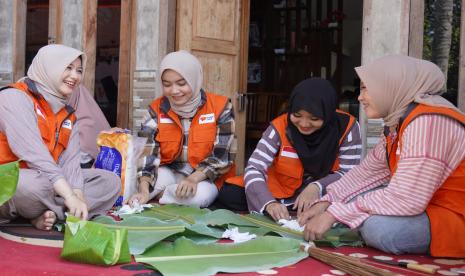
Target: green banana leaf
{"points": [[184, 257], [223, 218], [93, 243], [143, 232], [9, 173], [269, 226], [171, 212]]}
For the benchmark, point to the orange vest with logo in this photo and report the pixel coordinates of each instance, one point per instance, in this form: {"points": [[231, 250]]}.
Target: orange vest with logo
{"points": [[202, 132], [55, 129], [446, 209], [285, 175]]}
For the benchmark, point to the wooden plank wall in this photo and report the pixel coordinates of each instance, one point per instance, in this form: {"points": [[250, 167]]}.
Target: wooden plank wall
{"points": [[19, 38]]}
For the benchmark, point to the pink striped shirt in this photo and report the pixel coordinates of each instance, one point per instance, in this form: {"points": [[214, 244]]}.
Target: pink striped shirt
{"points": [[432, 147]]}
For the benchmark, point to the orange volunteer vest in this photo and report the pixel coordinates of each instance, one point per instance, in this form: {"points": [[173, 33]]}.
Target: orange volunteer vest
{"points": [[285, 175], [446, 209], [202, 132], [55, 129]]}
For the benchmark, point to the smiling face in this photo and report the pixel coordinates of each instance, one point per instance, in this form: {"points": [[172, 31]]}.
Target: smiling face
{"points": [[368, 104], [71, 78], [305, 122], [175, 87]]}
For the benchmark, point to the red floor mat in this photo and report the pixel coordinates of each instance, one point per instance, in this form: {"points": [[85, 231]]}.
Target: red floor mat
{"points": [[23, 259]]}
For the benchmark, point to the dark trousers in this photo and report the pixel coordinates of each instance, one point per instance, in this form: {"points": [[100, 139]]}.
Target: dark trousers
{"points": [[231, 197]]}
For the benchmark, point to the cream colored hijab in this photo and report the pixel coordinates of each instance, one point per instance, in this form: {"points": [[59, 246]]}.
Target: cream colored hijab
{"points": [[48, 66], [395, 81], [189, 67]]}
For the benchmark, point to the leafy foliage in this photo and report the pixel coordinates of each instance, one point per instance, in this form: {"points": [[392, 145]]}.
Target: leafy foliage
{"points": [[8, 180]]}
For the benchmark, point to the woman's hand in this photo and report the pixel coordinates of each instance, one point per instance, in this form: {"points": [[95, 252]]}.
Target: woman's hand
{"points": [[76, 206], [315, 210], [317, 226], [306, 198], [277, 211], [186, 188], [74, 202], [142, 196], [139, 197]]}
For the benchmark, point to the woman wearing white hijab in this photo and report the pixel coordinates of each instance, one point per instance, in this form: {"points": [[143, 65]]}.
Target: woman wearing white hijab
{"points": [[39, 128], [415, 175], [190, 136]]}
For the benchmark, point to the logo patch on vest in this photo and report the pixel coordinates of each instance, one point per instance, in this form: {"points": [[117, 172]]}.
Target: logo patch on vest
{"points": [[39, 112], [290, 152], [164, 119], [67, 124], [207, 118]]}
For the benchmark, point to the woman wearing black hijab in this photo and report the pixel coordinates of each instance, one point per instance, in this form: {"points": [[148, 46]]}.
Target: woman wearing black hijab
{"points": [[300, 153]]}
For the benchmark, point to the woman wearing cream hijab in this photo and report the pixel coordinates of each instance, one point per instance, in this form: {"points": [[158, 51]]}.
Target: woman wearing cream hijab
{"points": [[38, 128], [415, 176], [190, 138]]}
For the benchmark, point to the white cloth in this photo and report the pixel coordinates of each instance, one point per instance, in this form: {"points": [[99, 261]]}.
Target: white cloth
{"points": [[234, 235], [127, 209], [291, 224]]}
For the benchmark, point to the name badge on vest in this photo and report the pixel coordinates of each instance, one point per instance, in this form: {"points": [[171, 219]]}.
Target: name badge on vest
{"points": [[207, 118], [290, 152], [39, 112], [67, 124], [164, 119]]}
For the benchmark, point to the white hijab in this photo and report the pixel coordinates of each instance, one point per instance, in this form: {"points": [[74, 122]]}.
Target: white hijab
{"points": [[48, 66], [189, 67]]}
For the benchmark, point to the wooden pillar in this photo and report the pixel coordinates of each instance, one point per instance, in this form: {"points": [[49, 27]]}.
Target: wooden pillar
{"points": [[54, 21], [123, 116], [417, 18], [461, 87], [89, 41]]}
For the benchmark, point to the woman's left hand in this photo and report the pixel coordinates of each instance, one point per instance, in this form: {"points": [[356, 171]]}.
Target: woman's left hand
{"points": [[317, 226], [186, 188], [306, 198]]}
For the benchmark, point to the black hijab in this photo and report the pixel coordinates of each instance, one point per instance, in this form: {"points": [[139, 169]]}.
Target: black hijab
{"points": [[318, 150]]}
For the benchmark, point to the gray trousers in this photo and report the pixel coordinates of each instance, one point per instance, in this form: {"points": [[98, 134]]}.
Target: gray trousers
{"points": [[35, 194]]}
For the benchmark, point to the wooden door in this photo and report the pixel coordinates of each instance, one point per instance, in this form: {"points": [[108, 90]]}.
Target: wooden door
{"points": [[216, 32]]}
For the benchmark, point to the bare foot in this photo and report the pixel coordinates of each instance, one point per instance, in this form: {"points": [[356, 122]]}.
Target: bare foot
{"points": [[44, 221]]}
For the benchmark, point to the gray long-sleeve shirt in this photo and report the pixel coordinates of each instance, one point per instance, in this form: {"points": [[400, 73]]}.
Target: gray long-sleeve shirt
{"points": [[18, 121], [255, 177]]}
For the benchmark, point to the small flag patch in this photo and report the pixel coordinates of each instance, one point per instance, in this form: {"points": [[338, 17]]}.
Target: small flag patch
{"points": [[164, 119], [290, 152]]}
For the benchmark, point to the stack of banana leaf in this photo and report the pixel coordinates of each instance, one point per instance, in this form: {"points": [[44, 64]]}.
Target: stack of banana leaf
{"points": [[8, 180], [180, 240]]}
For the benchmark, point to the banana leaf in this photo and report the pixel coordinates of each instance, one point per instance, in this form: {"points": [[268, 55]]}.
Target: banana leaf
{"points": [[93, 243], [9, 174], [171, 212], [269, 226], [184, 257], [223, 218], [143, 232]]}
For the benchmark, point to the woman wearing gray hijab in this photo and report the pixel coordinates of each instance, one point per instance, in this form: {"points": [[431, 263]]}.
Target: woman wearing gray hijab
{"points": [[40, 129], [190, 136]]}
